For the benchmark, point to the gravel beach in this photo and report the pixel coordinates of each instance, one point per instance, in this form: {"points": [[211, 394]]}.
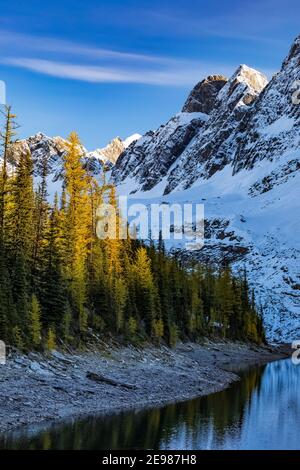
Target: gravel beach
{"points": [[38, 388]]}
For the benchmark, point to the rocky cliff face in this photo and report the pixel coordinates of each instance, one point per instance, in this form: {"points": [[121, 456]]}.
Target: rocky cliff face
{"points": [[166, 144], [203, 96], [240, 156]]}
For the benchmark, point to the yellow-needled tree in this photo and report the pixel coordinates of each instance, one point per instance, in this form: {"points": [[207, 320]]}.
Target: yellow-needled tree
{"points": [[146, 290], [77, 232]]}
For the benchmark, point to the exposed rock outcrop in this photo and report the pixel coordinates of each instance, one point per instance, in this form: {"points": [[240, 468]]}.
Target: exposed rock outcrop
{"points": [[203, 96]]}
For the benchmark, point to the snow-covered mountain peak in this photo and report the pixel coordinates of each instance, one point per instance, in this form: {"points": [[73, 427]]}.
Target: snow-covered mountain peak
{"points": [[213, 146], [110, 154], [181, 150], [252, 77], [242, 88]]}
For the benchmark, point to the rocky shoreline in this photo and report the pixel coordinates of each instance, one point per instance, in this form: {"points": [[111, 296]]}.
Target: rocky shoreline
{"points": [[37, 388]]}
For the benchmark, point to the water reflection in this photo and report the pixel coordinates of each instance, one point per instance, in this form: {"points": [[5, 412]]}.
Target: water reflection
{"points": [[262, 411]]}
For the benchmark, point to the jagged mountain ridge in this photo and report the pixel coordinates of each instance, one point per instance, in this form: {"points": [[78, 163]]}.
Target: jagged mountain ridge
{"points": [[241, 157], [236, 121], [52, 149], [211, 150], [192, 144]]}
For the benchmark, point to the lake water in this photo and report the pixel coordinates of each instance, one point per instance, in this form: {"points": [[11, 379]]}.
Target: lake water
{"points": [[262, 411]]}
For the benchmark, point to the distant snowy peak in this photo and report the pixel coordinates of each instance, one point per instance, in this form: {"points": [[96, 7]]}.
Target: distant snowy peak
{"points": [[110, 154], [41, 147], [52, 149]]}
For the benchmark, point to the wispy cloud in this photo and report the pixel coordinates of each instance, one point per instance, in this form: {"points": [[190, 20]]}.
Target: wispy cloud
{"points": [[74, 61], [174, 76]]}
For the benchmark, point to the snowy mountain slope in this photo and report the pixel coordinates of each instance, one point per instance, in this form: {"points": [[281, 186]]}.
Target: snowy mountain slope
{"points": [[272, 126], [167, 143], [242, 163], [257, 233], [130, 140]]}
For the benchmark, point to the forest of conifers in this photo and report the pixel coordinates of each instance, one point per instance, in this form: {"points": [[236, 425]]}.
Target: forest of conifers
{"points": [[59, 282]]}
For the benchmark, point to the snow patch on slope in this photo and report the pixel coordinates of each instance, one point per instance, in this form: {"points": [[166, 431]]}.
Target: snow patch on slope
{"points": [[129, 140]]}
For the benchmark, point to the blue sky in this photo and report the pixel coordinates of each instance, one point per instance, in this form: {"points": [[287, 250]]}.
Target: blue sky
{"points": [[107, 68]]}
